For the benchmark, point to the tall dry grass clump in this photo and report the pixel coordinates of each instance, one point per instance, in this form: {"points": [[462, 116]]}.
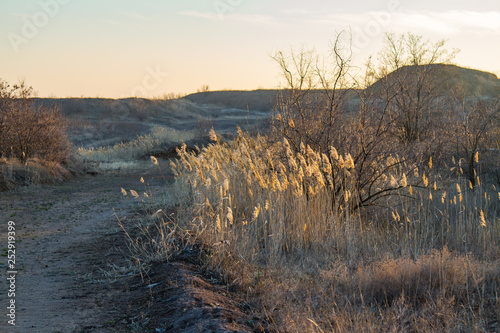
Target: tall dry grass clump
{"points": [[287, 226], [273, 202]]}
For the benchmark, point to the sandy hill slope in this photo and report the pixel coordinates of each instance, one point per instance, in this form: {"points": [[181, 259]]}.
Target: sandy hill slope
{"points": [[450, 78]]}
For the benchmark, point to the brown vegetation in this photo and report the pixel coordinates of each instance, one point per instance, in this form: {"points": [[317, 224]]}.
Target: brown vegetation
{"points": [[28, 131], [34, 142]]}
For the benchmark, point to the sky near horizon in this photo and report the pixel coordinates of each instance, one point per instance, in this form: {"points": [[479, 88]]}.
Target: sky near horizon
{"points": [[121, 48]]}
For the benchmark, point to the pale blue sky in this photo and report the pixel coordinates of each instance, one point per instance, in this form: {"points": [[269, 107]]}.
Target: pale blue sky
{"points": [[115, 48]]}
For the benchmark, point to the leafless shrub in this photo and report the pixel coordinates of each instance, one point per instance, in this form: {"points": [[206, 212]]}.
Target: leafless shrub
{"points": [[475, 124], [315, 109], [409, 80], [28, 130], [203, 88]]}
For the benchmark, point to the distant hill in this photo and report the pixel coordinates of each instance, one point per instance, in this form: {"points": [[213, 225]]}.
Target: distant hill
{"points": [[450, 77], [113, 120], [473, 81], [101, 121], [255, 100]]}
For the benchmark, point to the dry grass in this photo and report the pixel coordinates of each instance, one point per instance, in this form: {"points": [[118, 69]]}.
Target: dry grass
{"points": [[127, 152], [281, 225], [439, 292], [33, 171], [153, 232]]}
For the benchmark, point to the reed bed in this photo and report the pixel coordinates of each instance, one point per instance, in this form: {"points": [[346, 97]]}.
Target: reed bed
{"points": [[286, 227]]}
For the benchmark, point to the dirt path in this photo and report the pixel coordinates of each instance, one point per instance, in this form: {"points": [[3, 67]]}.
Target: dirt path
{"points": [[71, 263], [66, 235]]}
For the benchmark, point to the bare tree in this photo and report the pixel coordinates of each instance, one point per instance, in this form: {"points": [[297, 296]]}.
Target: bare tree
{"points": [[312, 101], [475, 118], [316, 109], [410, 77]]}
